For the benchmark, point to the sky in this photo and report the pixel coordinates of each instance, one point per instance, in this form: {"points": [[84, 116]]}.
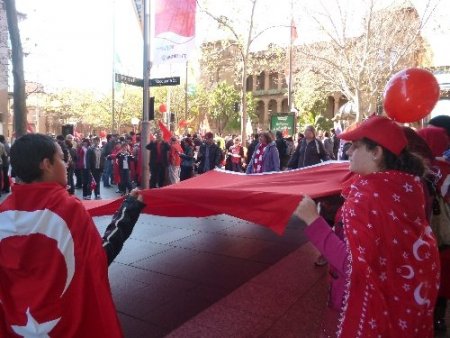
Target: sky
{"points": [[70, 43]]}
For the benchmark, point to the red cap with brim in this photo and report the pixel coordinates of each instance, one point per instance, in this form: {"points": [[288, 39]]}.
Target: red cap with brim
{"points": [[380, 129]]}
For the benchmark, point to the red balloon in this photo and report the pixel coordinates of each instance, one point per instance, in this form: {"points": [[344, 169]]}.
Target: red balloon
{"points": [[102, 133], [410, 95], [162, 108]]}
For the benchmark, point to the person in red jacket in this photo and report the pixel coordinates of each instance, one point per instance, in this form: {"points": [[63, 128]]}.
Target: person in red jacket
{"points": [[53, 262]]}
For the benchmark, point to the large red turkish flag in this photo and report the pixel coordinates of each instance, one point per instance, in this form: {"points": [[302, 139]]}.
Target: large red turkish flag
{"points": [[53, 268], [268, 199]]}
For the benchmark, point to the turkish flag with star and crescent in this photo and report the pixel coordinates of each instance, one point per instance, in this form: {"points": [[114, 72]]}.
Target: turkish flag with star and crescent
{"points": [[53, 268], [394, 272]]}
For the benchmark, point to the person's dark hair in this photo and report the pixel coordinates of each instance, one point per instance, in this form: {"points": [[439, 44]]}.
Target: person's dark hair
{"points": [[407, 161], [301, 135], [60, 137], [279, 134], [268, 136], [27, 153], [188, 141], [209, 135], [2, 139], [442, 121], [69, 143]]}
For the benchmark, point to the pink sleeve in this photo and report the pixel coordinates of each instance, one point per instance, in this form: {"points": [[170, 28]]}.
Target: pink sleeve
{"points": [[328, 243]]}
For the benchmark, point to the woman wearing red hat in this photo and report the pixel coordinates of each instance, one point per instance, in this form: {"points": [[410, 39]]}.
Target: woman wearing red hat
{"points": [[382, 253]]}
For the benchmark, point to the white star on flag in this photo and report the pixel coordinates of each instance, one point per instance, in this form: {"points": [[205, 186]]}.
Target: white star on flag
{"points": [[392, 214], [33, 328], [402, 324], [396, 198], [408, 187]]}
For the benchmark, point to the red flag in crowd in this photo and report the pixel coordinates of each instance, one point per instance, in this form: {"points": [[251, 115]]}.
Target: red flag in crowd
{"points": [[276, 195], [166, 134]]}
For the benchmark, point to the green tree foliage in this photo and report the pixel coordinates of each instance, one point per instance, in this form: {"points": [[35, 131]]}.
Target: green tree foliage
{"points": [[90, 111], [223, 100]]}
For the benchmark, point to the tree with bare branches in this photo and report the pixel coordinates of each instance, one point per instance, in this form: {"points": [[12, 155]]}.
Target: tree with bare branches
{"points": [[363, 44], [243, 31]]}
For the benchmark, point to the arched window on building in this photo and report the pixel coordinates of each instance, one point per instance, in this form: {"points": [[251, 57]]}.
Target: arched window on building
{"points": [[261, 81], [273, 107], [284, 81], [250, 83], [260, 112], [285, 106], [273, 80]]}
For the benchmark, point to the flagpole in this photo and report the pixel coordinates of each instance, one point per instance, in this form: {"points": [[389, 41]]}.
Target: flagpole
{"points": [[113, 87], [186, 92], [145, 170], [290, 63]]}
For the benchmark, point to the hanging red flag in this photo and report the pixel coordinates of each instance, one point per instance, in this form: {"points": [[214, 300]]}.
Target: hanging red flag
{"points": [[294, 34], [166, 134]]}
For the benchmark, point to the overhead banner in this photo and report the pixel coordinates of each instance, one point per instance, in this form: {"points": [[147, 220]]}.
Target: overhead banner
{"points": [[174, 38]]}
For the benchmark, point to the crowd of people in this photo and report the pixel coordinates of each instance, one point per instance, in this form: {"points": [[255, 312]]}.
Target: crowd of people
{"points": [[387, 242], [116, 160]]}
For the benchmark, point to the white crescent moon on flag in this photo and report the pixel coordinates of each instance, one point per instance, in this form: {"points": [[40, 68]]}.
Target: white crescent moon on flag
{"points": [[418, 298], [44, 222], [429, 232], [410, 274], [417, 244]]}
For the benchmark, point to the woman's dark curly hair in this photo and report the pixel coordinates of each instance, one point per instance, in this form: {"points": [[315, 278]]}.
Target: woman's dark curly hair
{"points": [[407, 161]]}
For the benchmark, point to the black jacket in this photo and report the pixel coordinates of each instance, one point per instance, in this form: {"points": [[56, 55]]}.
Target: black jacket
{"points": [[121, 226], [165, 148], [307, 154], [215, 154]]}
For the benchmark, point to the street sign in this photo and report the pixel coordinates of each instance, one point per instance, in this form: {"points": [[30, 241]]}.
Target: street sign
{"points": [[129, 80], [159, 82], [283, 123], [165, 81]]}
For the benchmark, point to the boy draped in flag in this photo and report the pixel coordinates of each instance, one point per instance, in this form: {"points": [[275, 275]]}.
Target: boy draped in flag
{"points": [[53, 263]]}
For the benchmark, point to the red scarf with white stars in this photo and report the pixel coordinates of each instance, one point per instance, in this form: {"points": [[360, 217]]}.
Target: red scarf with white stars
{"points": [[258, 159], [394, 274]]}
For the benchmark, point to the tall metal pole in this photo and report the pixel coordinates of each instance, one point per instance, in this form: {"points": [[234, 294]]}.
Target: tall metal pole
{"points": [[186, 92], [290, 64], [113, 82], [145, 170]]}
